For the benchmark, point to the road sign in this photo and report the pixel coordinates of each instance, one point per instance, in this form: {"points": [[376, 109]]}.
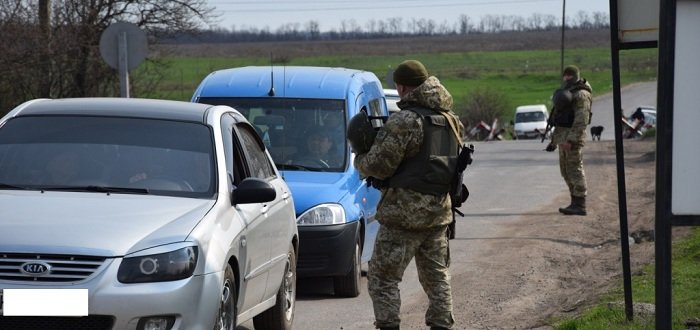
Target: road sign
{"points": [[123, 46], [136, 44]]}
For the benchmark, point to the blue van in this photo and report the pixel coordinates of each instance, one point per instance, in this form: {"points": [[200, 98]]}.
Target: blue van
{"points": [[302, 114]]}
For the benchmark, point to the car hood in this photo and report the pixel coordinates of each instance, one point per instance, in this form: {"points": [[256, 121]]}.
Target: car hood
{"points": [[312, 188], [94, 223], [530, 126]]}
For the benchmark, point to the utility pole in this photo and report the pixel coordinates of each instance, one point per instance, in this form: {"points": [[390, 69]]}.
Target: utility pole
{"points": [[563, 27], [45, 58]]}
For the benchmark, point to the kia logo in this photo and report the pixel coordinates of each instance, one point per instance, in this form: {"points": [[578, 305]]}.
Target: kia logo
{"points": [[35, 268]]}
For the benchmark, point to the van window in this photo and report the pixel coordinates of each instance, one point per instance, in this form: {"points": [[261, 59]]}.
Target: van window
{"points": [[527, 117], [300, 134]]}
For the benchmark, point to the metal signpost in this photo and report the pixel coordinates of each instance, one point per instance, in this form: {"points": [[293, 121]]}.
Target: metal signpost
{"points": [[633, 25], [123, 46]]}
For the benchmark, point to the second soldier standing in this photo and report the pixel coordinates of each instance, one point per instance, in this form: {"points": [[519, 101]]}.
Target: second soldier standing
{"points": [[414, 154], [570, 116]]}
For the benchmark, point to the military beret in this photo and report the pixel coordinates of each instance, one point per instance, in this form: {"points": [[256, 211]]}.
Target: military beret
{"points": [[410, 73]]}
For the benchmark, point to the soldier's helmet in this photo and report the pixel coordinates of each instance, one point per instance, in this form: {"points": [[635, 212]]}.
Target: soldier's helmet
{"points": [[562, 98], [361, 134]]}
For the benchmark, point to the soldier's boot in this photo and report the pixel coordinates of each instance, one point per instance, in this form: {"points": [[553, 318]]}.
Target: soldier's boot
{"points": [[571, 204], [577, 207], [438, 328], [389, 328]]}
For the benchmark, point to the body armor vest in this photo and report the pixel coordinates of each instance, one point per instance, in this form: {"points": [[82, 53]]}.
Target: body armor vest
{"points": [[431, 170], [565, 114]]}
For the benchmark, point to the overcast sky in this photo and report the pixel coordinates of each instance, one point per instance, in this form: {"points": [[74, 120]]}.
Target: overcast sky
{"points": [[329, 13]]}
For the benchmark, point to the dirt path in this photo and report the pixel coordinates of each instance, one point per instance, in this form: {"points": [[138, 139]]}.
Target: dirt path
{"points": [[550, 264]]}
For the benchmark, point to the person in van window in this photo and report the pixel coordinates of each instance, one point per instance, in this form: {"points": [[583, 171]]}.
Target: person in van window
{"points": [[414, 154], [334, 124], [570, 116], [319, 151]]}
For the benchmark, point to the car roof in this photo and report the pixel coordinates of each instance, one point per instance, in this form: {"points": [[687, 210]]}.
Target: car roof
{"points": [[289, 81], [121, 107], [533, 107], [391, 92]]}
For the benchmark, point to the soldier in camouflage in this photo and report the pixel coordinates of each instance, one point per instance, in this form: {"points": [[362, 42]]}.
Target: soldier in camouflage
{"points": [[570, 118], [414, 154]]}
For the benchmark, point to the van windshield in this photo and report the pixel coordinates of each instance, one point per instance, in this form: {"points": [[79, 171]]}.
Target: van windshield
{"points": [[301, 134], [527, 117]]}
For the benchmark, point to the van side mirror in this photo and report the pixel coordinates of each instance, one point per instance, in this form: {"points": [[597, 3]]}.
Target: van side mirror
{"points": [[253, 190], [511, 122]]}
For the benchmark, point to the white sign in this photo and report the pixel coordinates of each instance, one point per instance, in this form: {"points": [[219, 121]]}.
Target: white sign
{"points": [[638, 20], [45, 302], [685, 165]]}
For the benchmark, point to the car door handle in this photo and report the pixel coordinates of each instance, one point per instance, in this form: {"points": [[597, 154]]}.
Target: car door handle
{"points": [[285, 195], [264, 208]]}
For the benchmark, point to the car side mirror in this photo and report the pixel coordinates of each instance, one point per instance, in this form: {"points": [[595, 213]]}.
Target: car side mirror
{"points": [[253, 190]]}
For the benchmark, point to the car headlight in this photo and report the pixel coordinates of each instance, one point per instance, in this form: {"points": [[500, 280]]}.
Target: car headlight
{"points": [[324, 214], [170, 266]]}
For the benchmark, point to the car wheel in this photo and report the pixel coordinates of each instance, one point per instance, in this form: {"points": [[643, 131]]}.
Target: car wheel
{"points": [[349, 285], [452, 227], [226, 316], [281, 315]]}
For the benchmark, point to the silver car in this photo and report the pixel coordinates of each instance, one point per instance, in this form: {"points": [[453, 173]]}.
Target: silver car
{"points": [[170, 215]]}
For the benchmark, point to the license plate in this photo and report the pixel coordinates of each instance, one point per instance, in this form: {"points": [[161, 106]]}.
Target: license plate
{"points": [[44, 302]]}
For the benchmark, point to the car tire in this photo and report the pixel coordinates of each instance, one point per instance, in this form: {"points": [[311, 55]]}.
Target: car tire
{"points": [[281, 315], [349, 285], [227, 314]]}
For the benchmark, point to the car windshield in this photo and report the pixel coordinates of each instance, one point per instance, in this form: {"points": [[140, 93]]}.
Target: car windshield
{"points": [[107, 154], [527, 117], [301, 134]]}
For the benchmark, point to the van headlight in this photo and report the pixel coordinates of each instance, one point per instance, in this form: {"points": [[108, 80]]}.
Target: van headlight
{"points": [[169, 266], [324, 214]]}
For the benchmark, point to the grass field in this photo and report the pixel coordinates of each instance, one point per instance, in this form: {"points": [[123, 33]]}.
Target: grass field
{"points": [[527, 77], [685, 288]]}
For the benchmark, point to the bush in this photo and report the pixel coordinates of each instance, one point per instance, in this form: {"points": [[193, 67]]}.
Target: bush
{"points": [[484, 104]]}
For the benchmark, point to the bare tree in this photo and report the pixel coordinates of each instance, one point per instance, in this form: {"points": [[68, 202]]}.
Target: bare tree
{"points": [[465, 24], [484, 104], [76, 68]]}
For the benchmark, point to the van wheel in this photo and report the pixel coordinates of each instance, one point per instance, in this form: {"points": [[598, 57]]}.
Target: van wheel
{"points": [[349, 285], [227, 314], [281, 315]]}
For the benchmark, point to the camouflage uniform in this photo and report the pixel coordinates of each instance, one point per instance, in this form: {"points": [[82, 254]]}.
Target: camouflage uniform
{"points": [[571, 162], [413, 223]]}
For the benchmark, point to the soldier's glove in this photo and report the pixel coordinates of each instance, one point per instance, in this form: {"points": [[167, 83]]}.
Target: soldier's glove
{"points": [[550, 147]]}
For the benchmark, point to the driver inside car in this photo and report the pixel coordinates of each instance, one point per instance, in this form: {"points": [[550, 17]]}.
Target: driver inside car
{"points": [[318, 151]]}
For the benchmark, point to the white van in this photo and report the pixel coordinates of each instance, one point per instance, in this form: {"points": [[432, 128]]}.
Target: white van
{"points": [[530, 121]]}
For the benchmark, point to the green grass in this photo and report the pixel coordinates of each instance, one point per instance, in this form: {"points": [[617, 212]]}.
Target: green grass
{"points": [[685, 288], [527, 77]]}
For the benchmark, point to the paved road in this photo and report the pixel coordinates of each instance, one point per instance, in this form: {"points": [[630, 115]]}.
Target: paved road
{"points": [[506, 180], [633, 96]]}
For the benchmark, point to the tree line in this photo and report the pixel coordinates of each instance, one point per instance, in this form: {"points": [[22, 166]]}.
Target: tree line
{"points": [[393, 27], [50, 48]]}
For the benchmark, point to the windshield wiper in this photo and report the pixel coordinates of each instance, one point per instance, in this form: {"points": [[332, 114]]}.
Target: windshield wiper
{"points": [[297, 167], [102, 189]]}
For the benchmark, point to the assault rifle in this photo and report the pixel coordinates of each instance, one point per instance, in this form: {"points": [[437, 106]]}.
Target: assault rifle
{"points": [[458, 191], [546, 130]]}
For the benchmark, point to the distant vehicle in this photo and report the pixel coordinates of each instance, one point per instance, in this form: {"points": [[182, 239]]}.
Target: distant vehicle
{"points": [[290, 106], [170, 214], [530, 121], [392, 97], [641, 120]]}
